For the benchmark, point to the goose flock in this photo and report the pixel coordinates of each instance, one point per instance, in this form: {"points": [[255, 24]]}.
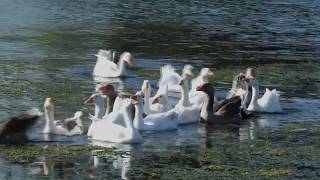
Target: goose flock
{"points": [[120, 118]]}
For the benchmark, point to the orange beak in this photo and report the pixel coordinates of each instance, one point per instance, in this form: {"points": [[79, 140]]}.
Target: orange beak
{"points": [[104, 89], [134, 100], [89, 101], [156, 100], [130, 62], [145, 85], [210, 73], [181, 83], [200, 88]]}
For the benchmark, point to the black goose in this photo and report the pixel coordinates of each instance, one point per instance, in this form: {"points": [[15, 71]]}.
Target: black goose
{"points": [[13, 131], [226, 111]]}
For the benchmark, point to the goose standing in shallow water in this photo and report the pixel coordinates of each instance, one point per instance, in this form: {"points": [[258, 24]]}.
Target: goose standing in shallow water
{"points": [[170, 78], [14, 131], [105, 67], [70, 126]]}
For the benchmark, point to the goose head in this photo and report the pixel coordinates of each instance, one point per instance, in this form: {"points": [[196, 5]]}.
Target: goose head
{"points": [[183, 84], [48, 104], [187, 70], [250, 77], [49, 113], [126, 103], [206, 72], [250, 72], [107, 89], [239, 81], [146, 87], [96, 98], [161, 99], [126, 57], [252, 81], [137, 98]]}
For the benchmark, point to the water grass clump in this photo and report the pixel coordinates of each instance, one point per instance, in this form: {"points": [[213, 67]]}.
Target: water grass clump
{"points": [[29, 153]]}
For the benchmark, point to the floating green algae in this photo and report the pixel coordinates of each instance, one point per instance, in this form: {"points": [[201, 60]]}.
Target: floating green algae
{"points": [[30, 153], [280, 154], [273, 173]]}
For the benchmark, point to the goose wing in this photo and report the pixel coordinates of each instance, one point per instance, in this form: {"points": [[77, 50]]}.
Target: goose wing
{"points": [[229, 107]]}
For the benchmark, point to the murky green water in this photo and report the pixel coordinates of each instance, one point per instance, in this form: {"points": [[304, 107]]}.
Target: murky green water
{"points": [[47, 50]]}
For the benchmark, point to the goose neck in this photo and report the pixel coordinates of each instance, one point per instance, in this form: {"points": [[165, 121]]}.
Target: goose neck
{"points": [[122, 66], [111, 99], [185, 97], [138, 118], [128, 118], [207, 107], [49, 116], [99, 110], [255, 93], [146, 105]]}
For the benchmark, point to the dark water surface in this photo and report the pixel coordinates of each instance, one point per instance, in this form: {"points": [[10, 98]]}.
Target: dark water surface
{"points": [[47, 47]]}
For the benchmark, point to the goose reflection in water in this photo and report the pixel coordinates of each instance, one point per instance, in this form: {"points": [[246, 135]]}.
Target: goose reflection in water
{"points": [[40, 168], [247, 132], [119, 164]]}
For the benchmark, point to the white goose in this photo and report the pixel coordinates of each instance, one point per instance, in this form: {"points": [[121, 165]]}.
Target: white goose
{"points": [[171, 78], [98, 100], [198, 97], [187, 112], [70, 126], [269, 102], [202, 78], [154, 122], [105, 67], [239, 87], [158, 103], [112, 132]]}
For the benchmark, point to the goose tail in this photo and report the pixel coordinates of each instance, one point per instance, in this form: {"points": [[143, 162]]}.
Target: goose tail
{"points": [[35, 112], [105, 54], [78, 114], [166, 71]]}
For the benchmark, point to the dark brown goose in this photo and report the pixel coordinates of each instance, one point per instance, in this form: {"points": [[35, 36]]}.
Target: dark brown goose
{"points": [[226, 111], [13, 131]]}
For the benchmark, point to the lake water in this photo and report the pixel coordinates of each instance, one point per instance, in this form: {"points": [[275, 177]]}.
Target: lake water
{"points": [[47, 48]]}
